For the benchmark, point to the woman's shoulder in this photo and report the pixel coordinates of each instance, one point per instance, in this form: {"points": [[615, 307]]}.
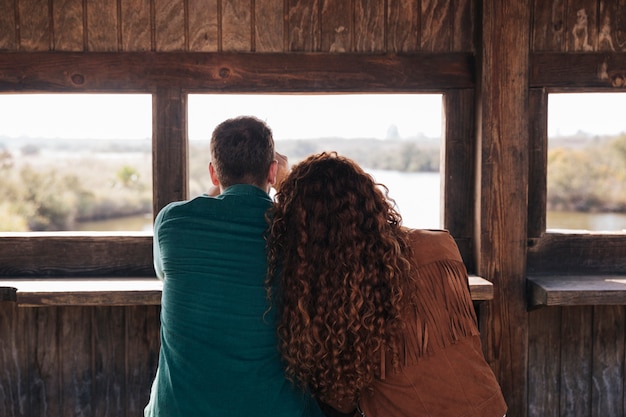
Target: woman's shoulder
{"points": [[431, 245]]}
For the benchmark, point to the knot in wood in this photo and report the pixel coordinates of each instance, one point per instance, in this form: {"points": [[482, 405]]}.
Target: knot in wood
{"points": [[78, 79], [224, 72]]}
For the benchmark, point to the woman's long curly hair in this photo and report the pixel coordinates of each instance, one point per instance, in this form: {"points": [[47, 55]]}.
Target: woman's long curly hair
{"points": [[339, 255]]}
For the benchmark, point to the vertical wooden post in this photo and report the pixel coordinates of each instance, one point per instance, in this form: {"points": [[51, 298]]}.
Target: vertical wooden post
{"points": [[501, 200], [169, 142]]}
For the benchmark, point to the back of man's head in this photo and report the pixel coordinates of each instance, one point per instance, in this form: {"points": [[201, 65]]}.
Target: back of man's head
{"points": [[242, 150]]}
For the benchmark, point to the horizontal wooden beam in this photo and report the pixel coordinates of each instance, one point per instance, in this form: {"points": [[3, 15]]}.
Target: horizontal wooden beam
{"points": [[234, 72], [578, 71], [576, 290], [118, 291], [577, 253], [69, 254]]}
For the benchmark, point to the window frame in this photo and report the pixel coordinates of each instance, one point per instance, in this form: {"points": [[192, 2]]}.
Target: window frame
{"points": [[170, 77], [562, 252]]}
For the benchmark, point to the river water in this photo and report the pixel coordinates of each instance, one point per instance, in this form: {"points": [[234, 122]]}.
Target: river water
{"points": [[417, 199]]}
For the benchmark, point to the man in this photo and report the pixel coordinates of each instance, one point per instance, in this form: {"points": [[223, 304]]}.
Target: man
{"points": [[219, 354]]}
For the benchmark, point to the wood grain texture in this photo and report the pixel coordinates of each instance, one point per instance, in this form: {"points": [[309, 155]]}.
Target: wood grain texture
{"points": [[71, 256], [237, 26], [570, 290], [337, 26], [581, 26], [548, 26], [502, 194], [109, 350], [544, 352], [538, 162], [463, 25], [436, 24], [304, 25], [594, 71], [141, 356], [68, 25], [203, 25], [607, 395], [136, 25], [369, 26], [169, 25], [458, 160], [237, 72], [403, 26], [102, 25], [170, 148], [269, 26], [8, 29], [34, 25], [578, 254], [576, 361]]}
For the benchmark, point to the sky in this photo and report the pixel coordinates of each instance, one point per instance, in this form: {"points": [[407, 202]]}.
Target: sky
{"points": [[290, 116]]}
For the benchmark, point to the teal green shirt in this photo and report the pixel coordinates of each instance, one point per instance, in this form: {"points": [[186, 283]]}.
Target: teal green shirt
{"points": [[219, 354]]}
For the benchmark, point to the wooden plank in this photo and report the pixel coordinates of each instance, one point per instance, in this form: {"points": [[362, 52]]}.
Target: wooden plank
{"points": [[593, 71], [102, 26], [127, 291], [609, 25], [538, 162], [34, 25], [109, 335], [203, 25], [68, 25], [337, 27], [480, 288], [463, 26], [436, 24], [142, 355], [8, 29], [8, 294], [607, 395], [544, 373], [574, 253], [237, 30], [501, 193], [568, 290], [304, 25], [136, 25], [10, 375], [548, 26], [269, 26], [269, 72], [170, 148], [576, 361], [85, 291], [76, 361], [403, 26], [45, 362], [582, 28], [458, 159], [169, 25], [369, 26], [58, 254]]}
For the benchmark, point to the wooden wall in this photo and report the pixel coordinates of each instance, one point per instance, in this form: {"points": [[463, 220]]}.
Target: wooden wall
{"points": [[555, 361]]}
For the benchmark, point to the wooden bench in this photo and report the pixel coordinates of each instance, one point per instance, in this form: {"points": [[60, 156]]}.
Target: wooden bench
{"points": [[42, 292]]}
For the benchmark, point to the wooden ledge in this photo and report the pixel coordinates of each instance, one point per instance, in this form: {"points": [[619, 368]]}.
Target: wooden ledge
{"points": [[121, 291], [576, 290], [81, 291]]}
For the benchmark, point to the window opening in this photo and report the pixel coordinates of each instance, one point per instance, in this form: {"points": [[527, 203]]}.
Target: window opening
{"points": [[586, 179], [75, 162], [394, 137]]}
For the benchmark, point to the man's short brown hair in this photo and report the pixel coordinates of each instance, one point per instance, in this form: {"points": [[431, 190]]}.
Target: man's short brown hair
{"points": [[242, 150]]}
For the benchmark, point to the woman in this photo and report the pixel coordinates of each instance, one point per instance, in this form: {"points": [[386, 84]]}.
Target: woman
{"points": [[374, 318]]}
